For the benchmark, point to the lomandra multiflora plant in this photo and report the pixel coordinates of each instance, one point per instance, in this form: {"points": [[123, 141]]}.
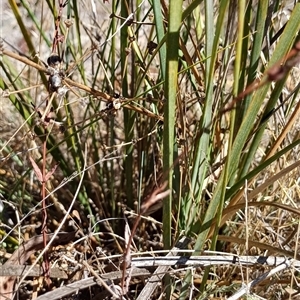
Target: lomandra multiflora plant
{"points": [[185, 110]]}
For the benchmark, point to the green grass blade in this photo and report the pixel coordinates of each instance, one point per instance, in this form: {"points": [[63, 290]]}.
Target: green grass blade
{"points": [[175, 16]]}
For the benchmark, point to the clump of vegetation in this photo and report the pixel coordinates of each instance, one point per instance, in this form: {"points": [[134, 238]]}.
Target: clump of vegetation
{"points": [[130, 126]]}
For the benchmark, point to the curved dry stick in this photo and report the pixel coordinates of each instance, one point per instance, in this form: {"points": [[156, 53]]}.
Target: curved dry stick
{"points": [[88, 282]]}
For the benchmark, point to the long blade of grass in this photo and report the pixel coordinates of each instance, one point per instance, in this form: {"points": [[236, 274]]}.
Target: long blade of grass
{"points": [[175, 15]]}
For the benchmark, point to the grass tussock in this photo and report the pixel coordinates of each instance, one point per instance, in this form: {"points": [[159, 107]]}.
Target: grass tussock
{"points": [[129, 126]]}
